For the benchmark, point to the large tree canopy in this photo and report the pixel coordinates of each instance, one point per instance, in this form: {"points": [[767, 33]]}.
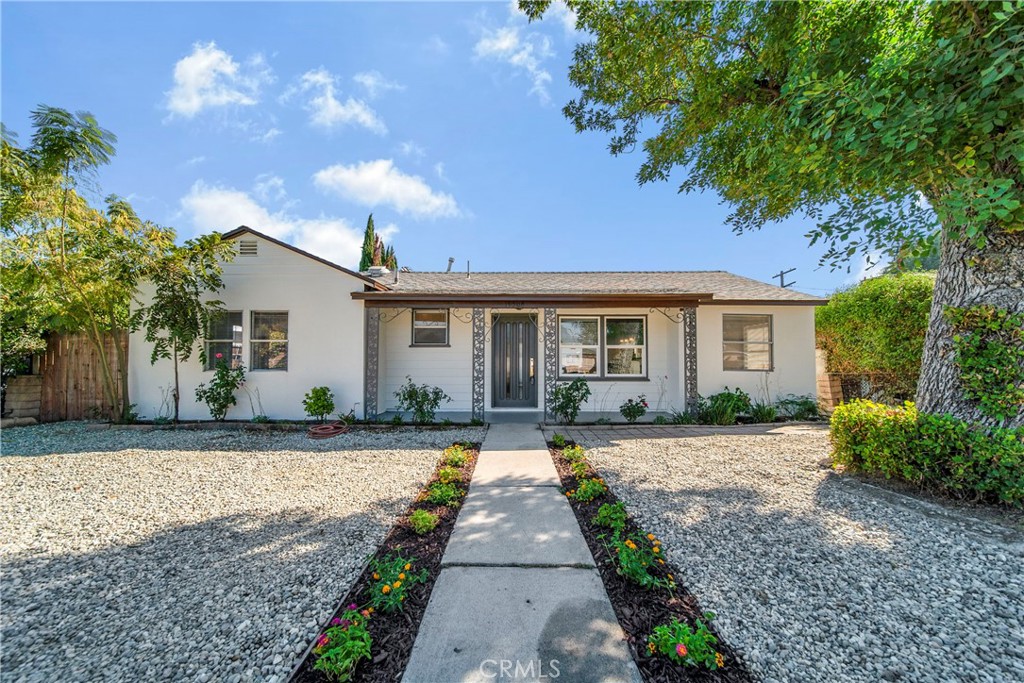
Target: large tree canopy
{"points": [[879, 120]]}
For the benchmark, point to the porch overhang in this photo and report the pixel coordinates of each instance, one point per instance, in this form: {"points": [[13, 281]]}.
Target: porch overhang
{"points": [[538, 300]]}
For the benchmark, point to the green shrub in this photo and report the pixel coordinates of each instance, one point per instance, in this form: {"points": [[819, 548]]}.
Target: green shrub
{"points": [[219, 394], [422, 521], [422, 400], [722, 408], [635, 556], [455, 456], [989, 345], [795, 407], [319, 403], [568, 398], [393, 576], [681, 417], [877, 328], [660, 420], [579, 468], [449, 475], [634, 408], [685, 645], [558, 440], [346, 641], [763, 412], [933, 451], [588, 489], [573, 453], [443, 494], [611, 515]]}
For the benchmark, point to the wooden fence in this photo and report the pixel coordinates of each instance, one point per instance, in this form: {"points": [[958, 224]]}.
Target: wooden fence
{"points": [[72, 386]]}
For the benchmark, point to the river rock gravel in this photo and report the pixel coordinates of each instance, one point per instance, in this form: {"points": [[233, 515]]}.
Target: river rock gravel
{"points": [[816, 577], [189, 555]]}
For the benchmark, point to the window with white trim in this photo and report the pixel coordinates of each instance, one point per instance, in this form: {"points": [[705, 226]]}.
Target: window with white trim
{"points": [[268, 341], [747, 342], [430, 327], [224, 340], [595, 346]]}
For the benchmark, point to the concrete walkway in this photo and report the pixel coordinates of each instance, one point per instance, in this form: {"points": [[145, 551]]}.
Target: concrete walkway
{"points": [[518, 597]]}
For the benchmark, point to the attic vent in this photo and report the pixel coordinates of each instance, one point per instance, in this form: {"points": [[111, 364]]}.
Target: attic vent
{"points": [[247, 248]]}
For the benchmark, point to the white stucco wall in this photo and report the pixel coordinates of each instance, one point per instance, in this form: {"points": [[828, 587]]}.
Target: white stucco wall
{"points": [[793, 349], [451, 367], [325, 339]]}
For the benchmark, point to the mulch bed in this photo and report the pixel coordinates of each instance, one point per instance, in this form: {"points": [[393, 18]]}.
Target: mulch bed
{"points": [[394, 633], [639, 610]]}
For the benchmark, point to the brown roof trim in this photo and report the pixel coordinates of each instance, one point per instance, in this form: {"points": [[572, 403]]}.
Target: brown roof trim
{"points": [[626, 299], [242, 229], [767, 302]]}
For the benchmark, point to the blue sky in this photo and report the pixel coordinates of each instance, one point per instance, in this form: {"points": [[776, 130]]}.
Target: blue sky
{"points": [[299, 119]]}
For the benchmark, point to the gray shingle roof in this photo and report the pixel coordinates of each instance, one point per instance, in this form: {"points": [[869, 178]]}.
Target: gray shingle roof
{"points": [[723, 285]]}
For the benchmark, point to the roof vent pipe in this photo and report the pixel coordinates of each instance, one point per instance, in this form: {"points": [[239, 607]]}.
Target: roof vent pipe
{"points": [[451, 262], [397, 270], [467, 269]]}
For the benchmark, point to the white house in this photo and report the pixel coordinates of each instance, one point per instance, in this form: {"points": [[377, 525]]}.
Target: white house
{"points": [[494, 342]]}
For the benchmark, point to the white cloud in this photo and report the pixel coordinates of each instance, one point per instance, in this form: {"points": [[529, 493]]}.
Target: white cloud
{"points": [[215, 208], [373, 183], [375, 83], [210, 77], [194, 161], [411, 149], [439, 170], [435, 45], [269, 186], [525, 52], [326, 110]]}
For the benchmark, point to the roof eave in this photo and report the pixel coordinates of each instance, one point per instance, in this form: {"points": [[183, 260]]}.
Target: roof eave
{"points": [[513, 300]]}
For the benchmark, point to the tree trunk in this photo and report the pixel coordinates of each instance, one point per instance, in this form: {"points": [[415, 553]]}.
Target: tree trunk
{"points": [[177, 393], [968, 276]]}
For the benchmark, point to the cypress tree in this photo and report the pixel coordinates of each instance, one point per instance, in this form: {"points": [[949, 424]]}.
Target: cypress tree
{"points": [[369, 246]]}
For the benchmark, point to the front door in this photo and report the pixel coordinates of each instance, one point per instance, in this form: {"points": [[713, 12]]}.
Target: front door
{"points": [[514, 359]]}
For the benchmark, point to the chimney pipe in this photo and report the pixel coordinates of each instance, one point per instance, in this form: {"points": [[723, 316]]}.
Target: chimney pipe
{"points": [[451, 262]]}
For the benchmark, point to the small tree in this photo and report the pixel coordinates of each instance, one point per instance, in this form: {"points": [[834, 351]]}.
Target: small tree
{"points": [[319, 403], [177, 317], [569, 398], [369, 246], [878, 328]]}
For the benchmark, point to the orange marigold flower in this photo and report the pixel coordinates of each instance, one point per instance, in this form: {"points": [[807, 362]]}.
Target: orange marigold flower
{"points": [[656, 549], [408, 567], [376, 575], [397, 584], [385, 589], [650, 537], [402, 577]]}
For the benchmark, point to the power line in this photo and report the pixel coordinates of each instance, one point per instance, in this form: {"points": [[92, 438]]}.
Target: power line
{"points": [[782, 278]]}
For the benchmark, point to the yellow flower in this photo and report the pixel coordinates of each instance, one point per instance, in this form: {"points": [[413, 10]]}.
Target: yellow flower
{"points": [[376, 575], [719, 660], [385, 589], [656, 549], [408, 567], [661, 561], [397, 584], [370, 610], [650, 646], [671, 578], [650, 537], [402, 577], [629, 544]]}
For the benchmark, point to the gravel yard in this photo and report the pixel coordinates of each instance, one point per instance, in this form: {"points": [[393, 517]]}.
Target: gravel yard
{"points": [[198, 555], [819, 578]]}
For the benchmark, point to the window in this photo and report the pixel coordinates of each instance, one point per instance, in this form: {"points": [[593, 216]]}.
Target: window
{"points": [[268, 343], [578, 345], [747, 342], [224, 340], [429, 327], [624, 344], [584, 341]]}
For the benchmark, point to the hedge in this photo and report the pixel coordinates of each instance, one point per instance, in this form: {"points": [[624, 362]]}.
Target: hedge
{"points": [[937, 452]]}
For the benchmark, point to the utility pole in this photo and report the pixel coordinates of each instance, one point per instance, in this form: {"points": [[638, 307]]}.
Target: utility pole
{"points": [[782, 278]]}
